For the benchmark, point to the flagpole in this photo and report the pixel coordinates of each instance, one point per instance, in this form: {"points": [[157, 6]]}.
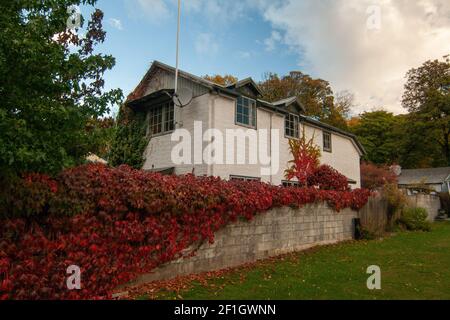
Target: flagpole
{"points": [[178, 40]]}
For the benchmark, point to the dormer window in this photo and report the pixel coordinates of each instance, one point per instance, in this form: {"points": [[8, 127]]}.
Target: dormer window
{"points": [[291, 126], [246, 112]]}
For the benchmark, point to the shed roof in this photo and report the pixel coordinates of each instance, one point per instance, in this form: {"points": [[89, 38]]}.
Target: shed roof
{"points": [[425, 176]]}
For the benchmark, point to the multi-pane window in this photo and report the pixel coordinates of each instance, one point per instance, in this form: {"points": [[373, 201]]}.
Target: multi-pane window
{"points": [[162, 118], [242, 178], [291, 126], [327, 142], [246, 112], [291, 184]]}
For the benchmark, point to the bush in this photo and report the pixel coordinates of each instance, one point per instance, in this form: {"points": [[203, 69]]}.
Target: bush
{"points": [[415, 219], [117, 223], [374, 177], [328, 178], [397, 201]]}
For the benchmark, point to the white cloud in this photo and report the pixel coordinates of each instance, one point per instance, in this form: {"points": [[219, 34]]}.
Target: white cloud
{"points": [[206, 45], [272, 41], [116, 23], [155, 11], [244, 55], [333, 37]]}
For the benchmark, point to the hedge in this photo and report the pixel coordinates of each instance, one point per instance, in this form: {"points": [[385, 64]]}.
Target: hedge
{"points": [[117, 223]]}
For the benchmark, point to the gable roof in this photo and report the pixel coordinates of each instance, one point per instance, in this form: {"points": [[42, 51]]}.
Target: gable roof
{"points": [[247, 82], [426, 176]]}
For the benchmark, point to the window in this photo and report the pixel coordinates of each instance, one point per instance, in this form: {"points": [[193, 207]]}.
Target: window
{"points": [[242, 178], [327, 142], [162, 118], [291, 184], [246, 112], [291, 122]]}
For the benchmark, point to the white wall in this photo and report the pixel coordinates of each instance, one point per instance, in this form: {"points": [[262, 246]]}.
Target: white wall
{"points": [[216, 111]]}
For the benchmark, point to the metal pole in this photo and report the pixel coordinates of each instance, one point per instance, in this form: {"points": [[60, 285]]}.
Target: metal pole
{"points": [[178, 39]]}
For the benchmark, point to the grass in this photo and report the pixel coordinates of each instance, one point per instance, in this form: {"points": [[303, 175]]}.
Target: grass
{"points": [[414, 265]]}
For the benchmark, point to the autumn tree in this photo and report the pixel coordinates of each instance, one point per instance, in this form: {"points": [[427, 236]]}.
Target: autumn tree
{"points": [[316, 96], [51, 84], [427, 98], [225, 80]]}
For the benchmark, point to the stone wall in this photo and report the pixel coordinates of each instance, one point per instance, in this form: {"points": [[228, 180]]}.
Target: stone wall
{"points": [[430, 202], [275, 232]]}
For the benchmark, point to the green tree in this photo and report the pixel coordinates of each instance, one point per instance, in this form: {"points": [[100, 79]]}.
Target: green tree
{"points": [[376, 131], [427, 98], [51, 84]]}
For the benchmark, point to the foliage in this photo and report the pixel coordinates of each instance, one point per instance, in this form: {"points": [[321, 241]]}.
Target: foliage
{"points": [[415, 219], [306, 156], [375, 130], [116, 223], [101, 133], [427, 98], [225, 80], [51, 85], [397, 201], [376, 176], [130, 140], [328, 178], [315, 95]]}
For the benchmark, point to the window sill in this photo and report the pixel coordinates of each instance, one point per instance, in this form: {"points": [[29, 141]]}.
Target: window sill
{"points": [[161, 134], [245, 125]]}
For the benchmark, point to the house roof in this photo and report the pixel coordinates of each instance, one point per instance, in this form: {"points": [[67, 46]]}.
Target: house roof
{"points": [[424, 176], [328, 127], [278, 106]]}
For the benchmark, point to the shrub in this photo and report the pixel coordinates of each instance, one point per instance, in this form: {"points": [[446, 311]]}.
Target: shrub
{"points": [[116, 223], [415, 219], [328, 178], [375, 177], [397, 201], [306, 159]]}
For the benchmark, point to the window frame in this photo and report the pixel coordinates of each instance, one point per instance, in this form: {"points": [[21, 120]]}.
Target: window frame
{"points": [[330, 148], [287, 184], [296, 128], [253, 116], [166, 124], [244, 178]]}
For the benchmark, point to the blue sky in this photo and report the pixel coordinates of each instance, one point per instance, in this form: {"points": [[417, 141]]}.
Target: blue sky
{"points": [[237, 46], [362, 46]]}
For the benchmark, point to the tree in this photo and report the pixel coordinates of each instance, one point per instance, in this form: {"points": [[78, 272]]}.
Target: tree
{"points": [[51, 84], [376, 176], [427, 98], [225, 80], [316, 96], [306, 159], [375, 130]]}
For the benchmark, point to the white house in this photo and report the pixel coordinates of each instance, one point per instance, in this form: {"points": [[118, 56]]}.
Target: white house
{"points": [[233, 107]]}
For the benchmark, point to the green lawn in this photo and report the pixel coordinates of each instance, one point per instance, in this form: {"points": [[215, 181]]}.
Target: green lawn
{"points": [[413, 266]]}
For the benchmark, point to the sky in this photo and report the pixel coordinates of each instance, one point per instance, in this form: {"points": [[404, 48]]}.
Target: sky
{"points": [[362, 46]]}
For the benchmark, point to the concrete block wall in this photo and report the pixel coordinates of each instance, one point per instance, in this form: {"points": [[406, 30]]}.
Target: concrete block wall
{"points": [[430, 202], [278, 231]]}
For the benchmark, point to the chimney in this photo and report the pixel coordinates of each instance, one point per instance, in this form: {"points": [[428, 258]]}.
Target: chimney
{"points": [[396, 169]]}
